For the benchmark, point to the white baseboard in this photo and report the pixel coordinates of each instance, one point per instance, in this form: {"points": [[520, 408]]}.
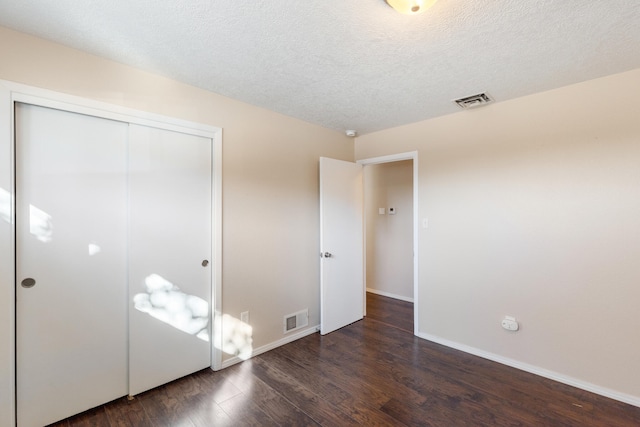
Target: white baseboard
{"points": [[584, 385], [390, 295], [286, 340]]}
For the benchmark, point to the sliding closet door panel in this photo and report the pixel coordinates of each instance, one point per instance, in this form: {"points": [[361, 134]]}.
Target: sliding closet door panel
{"points": [[170, 250], [71, 263]]}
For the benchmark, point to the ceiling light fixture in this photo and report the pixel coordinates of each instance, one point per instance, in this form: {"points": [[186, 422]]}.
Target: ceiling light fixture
{"points": [[411, 7]]}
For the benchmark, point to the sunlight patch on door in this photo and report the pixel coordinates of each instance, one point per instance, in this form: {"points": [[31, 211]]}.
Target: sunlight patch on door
{"points": [[237, 336], [5, 205], [40, 224], [166, 302], [94, 249]]}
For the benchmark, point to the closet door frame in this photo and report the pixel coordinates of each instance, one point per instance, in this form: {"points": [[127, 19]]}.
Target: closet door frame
{"points": [[10, 93]]}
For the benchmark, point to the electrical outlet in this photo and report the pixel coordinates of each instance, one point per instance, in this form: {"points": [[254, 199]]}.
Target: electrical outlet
{"points": [[510, 323]]}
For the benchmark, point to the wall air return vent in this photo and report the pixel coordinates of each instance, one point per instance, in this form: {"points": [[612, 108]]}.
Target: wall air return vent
{"points": [[474, 101], [296, 320]]}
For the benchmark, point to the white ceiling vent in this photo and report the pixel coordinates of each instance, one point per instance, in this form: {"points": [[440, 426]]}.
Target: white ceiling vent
{"points": [[474, 101]]}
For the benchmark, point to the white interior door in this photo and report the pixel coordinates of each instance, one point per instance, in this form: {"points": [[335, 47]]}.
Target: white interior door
{"points": [[71, 307], [170, 253], [341, 244]]}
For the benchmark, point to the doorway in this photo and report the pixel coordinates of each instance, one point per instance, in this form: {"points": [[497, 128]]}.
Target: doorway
{"points": [[391, 225]]}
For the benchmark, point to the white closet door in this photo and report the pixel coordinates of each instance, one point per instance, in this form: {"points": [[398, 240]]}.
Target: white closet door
{"points": [[170, 250], [71, 242]]}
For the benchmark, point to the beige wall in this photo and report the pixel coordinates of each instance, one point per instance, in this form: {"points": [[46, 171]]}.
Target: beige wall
{"points": [[534, 212], [270, 181], [389, 237]]}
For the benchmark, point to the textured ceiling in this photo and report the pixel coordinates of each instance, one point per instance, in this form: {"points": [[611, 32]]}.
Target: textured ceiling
{"points": [[349, 64]]}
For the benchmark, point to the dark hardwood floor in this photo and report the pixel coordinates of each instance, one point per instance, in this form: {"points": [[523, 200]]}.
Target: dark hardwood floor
{"points": [[391, 312], [372, 373]]}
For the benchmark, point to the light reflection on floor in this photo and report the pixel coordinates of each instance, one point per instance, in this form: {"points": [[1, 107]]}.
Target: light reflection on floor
{"points": [[167, 303]]}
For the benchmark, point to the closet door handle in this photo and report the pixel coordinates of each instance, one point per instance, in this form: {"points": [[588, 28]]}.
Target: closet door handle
{"points": [[205, 262], [28, 283]]}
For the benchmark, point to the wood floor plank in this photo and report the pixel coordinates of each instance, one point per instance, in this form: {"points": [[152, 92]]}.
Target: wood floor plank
{"points": [[216, 385], [96, 417], [245, 412], [168, 405], [413, 415], [63, 423], [329, 381], [336, 376], [301, 395], [392, 312], [267, 398], [205, 411], [360, 410], [124, 413]]}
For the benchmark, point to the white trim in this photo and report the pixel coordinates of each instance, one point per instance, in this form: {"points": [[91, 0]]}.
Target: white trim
{"points": [[390, 295], [411, 155], [11, 92], [286, 340], [555, 376], [90, 107], [216, 286], [7, 295]]}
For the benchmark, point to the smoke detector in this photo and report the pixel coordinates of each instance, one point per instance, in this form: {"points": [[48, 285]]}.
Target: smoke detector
{"points": [[350, 133], [474, 101]]}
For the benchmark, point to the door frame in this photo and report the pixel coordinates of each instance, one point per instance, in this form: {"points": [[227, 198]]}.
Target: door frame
{"points": [[411, 155], [10, 93]]}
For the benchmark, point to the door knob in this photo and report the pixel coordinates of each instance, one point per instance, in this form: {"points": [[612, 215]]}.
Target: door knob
{"points": [[205, 262], [28, 283], [327, 255]]}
